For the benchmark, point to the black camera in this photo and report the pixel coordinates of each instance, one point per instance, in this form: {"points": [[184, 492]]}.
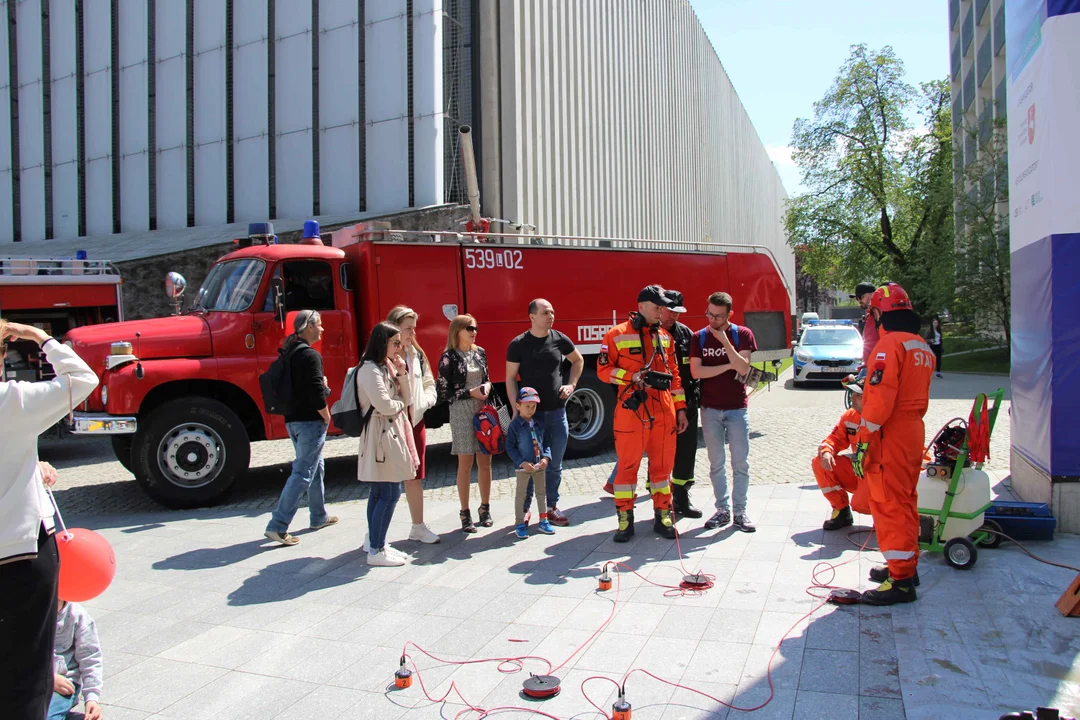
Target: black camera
{"points": [[657, 380]]}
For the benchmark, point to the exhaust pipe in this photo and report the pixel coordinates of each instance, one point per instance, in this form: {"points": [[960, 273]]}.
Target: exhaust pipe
{"points": [[472, 188]]}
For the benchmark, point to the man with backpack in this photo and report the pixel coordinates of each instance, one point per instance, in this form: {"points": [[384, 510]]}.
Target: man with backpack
{"points": [[719, 354], [299, 392]]}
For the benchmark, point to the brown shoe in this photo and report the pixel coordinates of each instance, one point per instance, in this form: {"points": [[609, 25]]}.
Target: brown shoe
{"points": [[331, 520], [283, 538], [555, 517]]}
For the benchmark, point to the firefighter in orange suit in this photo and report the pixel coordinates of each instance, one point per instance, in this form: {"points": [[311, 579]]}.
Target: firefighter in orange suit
{"points": [[638, 357], [890, 441], [834, 472]]}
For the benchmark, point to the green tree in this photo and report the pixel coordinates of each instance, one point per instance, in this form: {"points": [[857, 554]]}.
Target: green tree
{"points": [[878, 205], [982, 241]]}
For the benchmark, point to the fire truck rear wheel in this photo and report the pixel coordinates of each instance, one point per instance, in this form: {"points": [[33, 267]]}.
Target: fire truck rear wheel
{"points": [[590, 412], [190, 451]]}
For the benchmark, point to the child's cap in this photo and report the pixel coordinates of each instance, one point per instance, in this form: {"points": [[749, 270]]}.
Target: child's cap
{"points": [[527, 394]]}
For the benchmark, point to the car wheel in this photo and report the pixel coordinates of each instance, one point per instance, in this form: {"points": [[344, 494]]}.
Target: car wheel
{"points": [[590, 414]]}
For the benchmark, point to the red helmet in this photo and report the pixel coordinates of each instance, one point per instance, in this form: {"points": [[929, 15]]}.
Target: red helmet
{"points": [[889, 297]]}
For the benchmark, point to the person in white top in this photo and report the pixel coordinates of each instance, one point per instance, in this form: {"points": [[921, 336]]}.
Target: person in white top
{"points": [[29, 562], [424, 397]]}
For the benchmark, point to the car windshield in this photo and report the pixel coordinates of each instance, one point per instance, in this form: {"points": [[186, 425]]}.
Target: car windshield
{"points": [[832, 336], [230, 286]]}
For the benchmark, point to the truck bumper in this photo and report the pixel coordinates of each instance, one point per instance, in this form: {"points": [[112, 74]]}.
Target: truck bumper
{"points": [[102, 424]]}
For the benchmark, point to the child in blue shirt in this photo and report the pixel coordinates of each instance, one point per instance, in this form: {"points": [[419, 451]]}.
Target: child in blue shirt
{"points": [[525, 446]]}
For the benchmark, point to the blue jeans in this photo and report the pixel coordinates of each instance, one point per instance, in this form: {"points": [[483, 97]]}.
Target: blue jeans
{"points": [[60, 706], [381, 501], [556, 433], [720, 427], [308, 439]]}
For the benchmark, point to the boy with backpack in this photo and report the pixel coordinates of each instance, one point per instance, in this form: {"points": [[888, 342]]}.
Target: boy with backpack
{"points": [[525, 446]]}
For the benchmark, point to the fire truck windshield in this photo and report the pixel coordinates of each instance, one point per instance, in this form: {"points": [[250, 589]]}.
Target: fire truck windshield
{"points": [[230, 286]]}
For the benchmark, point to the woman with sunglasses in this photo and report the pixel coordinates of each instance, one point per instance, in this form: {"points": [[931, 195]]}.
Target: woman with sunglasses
{"points": [[463, 382]]}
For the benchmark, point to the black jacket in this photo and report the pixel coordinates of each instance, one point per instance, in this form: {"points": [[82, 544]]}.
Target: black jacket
{"points": [[309, 391], [453, 373], [682, 334]]}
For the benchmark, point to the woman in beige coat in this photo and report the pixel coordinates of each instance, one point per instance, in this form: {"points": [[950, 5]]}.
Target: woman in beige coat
{"points": [[422, 385], [387, 451]]}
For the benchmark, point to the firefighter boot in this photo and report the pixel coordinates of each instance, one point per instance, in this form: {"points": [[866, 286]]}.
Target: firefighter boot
{"points": [[664, 524], [680, 501], [840, 519], [626, 526], [881, 574], [891, 592]]}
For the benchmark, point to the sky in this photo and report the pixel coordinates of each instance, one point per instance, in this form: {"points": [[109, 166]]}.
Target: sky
{"points": [[782, 55]]}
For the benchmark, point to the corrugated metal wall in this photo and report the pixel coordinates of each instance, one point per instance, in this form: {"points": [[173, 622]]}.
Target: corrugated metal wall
{"points": [[178, 113], [618, 120]]}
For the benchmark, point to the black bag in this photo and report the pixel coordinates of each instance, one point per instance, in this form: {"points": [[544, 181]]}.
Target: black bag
{"points": [[276, 383], [346, 411]]}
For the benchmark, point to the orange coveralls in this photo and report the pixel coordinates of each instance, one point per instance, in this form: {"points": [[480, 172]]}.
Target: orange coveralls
{"points": [[621, 355], [895, 399], [841, 480]]}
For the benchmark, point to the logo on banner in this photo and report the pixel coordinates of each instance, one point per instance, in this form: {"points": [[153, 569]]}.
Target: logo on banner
{"points": [[591, 333], [1031, 124]]}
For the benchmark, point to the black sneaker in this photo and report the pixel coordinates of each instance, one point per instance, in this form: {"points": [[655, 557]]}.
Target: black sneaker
{"points": [[721, 518], [891, 592], [840, 519], [743, 523]]}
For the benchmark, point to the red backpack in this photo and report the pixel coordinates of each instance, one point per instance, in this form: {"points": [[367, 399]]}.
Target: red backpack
{"points": [[489, 432]]}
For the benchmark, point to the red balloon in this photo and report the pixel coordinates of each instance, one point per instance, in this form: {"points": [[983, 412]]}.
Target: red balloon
{"points": [[87, 564]]}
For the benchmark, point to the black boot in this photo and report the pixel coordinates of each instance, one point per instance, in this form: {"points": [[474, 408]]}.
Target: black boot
{"points": [[680, 501], [840, 519], [880, 574], [664, 524], [626, 526], [891, 592]]}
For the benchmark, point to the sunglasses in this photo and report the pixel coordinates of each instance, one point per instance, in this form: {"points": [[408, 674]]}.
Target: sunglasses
{"points": [[471, 328]]}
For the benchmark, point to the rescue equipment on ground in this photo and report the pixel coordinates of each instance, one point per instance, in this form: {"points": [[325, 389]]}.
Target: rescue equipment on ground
{"points": [[541, 687], [621, 709], [403, 677]]}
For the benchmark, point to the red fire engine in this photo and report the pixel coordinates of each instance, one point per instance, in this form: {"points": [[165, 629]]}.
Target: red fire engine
{"points": [[180, 397]]}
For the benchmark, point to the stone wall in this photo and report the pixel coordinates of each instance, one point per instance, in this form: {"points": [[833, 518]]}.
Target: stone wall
{"points": [[144, 279]]}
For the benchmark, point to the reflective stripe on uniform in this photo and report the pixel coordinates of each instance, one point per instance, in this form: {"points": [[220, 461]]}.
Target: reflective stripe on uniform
{"points": [[916, 344], [663, 487], [625, 341], [620, 376], [872, 427], [834, 488], [665, 341], [624, 491], [680, 481], [853, 426], [678, 397], [898, 554]]}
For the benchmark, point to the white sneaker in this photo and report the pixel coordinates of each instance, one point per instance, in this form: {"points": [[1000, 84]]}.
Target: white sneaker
{"points": [[422, 533], [384, 559], [388, 549]]}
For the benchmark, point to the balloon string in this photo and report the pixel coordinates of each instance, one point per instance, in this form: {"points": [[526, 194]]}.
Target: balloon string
{"points": [[56, 509]]}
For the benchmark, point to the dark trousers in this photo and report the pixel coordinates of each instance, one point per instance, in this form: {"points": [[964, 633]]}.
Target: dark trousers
{"points": [[686, 450], [937, 357], [28, 631]]}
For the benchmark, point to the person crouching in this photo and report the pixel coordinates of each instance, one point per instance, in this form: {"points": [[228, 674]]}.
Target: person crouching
{"points": [[834, 472], [525, 446]]}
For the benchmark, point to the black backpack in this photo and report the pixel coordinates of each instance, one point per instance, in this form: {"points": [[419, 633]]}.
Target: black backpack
{"points": [[276, 382]]}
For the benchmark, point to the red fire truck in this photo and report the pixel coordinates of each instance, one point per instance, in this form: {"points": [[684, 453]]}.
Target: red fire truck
{"points": [[179, 395], [57, 295]]}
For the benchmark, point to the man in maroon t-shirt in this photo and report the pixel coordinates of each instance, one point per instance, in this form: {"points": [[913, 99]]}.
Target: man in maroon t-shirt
{"points": [[719, 354]]}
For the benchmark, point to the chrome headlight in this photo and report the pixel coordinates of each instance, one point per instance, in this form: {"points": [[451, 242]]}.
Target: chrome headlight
{"points": [[105, 396]]}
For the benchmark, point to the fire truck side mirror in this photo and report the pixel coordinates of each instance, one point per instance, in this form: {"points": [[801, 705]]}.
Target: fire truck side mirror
{"points": [[175, 284], [277, 287]]}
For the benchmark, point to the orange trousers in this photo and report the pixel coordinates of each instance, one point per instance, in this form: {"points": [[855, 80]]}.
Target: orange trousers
{"points": [[892, 477], [840, 482], [633, 438]]}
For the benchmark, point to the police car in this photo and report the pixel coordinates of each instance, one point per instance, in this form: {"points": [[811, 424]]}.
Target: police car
{"points": [[827, 351]]}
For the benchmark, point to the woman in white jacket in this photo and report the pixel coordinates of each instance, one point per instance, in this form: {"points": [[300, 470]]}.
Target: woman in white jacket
{"points": [[387, 452], [29, 562], [422, 384]]}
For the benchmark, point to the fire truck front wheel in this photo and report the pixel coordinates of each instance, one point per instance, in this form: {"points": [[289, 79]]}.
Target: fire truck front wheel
{"points": [[189, 452], [590, 412], [121, 445]]}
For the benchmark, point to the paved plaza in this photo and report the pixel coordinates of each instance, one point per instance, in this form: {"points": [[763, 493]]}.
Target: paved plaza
{"points": [[207, 619]]}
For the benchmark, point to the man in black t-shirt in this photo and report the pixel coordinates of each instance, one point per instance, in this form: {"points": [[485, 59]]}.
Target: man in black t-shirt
{"points": [[537, 357]]}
